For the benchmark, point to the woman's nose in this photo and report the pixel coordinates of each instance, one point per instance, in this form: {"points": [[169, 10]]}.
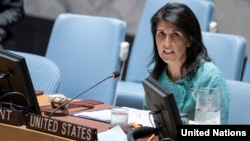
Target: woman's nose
{"points": [[168, 41]]}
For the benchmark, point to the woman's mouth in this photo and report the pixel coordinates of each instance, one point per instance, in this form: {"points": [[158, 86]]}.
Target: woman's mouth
{"points": [[167, 51]]}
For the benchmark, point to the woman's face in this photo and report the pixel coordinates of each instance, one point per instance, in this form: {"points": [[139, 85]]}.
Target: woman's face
{"points": [[171, 43]]}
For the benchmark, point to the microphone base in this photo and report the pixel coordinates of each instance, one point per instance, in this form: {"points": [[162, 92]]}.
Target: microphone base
{"points": [[59, 112]]}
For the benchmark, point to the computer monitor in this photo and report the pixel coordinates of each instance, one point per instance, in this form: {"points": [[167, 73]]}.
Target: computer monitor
{"points": [[15, 83], [163, 107]]}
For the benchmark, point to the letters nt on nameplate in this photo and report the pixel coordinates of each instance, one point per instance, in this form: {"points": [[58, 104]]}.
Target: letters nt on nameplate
{"points": [[12, 116], [61, 128]]}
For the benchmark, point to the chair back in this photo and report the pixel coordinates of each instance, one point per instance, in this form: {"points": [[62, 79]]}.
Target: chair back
{"points": [[246, 72], [239, 112], [227, 51], [44, 73], [86, 50]]}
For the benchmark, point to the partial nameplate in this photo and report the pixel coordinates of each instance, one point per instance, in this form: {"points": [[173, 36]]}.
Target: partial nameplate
{"points": [[12, 116], [61, 128]]}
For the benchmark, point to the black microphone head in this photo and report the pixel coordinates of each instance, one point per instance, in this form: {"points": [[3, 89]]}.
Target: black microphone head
{"points": [[115, 74]]}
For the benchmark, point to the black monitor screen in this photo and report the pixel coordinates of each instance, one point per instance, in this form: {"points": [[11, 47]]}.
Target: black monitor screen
{"points": [[15, 82], [162, 104]]}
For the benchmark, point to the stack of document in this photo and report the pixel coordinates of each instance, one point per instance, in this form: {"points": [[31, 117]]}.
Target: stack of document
{"points": [[135, 115]]}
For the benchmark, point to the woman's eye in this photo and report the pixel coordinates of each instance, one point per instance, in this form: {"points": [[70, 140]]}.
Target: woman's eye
{"points": [[160, 34], [175, 35]]}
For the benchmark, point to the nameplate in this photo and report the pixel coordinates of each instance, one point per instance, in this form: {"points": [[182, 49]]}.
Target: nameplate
{"points": [[61, 128], [12, 116]]}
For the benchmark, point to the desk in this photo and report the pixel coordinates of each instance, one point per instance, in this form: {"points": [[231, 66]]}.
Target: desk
{"points": [[21, 133]]}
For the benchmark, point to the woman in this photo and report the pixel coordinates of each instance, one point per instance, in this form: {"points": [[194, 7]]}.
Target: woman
{"points": [[181, 63]]}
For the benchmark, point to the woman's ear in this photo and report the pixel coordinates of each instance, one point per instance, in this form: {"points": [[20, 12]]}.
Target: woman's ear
{"points": [[188, 44], [189, 41]]}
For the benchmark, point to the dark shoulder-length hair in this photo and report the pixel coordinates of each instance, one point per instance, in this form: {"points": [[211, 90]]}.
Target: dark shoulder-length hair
{"points": [[184, 19]]}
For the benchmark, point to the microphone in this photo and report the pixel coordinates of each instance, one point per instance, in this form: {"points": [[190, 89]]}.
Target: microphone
{"points": [[113, 75]]}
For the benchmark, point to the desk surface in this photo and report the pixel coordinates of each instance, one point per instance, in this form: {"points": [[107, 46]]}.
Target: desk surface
{"points": [[21, 133]]}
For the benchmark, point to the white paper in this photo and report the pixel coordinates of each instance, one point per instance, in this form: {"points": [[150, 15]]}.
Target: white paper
{"points": [[140, 117], [99, 115], [114, 134]]}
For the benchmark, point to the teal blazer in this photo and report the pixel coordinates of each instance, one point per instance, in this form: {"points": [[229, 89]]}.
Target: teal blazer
{"points": [[184, 90]]}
